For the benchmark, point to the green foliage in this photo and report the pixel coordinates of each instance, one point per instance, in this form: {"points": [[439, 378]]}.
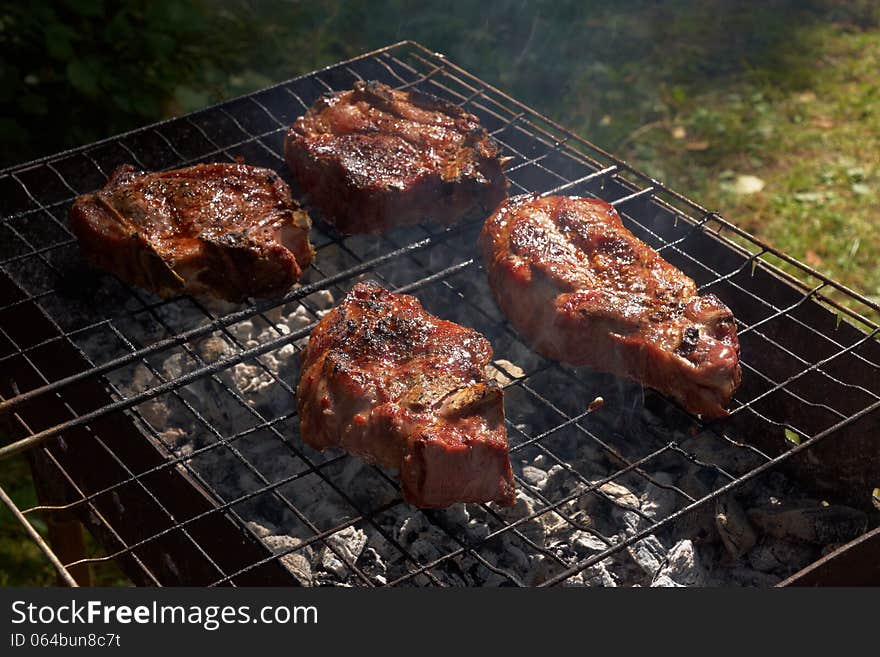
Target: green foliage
{"points": [[21, 561], [74, 71], [77, 70]]}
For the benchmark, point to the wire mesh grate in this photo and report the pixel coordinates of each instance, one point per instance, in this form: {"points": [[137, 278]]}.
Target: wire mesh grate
{"points": [[113, 360]]}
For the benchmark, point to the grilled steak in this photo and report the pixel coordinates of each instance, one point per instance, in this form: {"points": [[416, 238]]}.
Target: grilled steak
{"points": [[373, 158], [583, 290], [387, 381], [229, 230]]}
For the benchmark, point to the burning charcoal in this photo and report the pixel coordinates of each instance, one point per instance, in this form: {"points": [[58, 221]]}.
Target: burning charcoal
{"points": [[154, 412], [280, 359], [243, 330], [299, 567], [456, 515], [616, 503], [542, 461], [504, 372], [364, 485], [664, 581], [629, 521], [142, 378], [700, 523], [658, 502], [488, 577], [322, 299], [561, 478], [710, 448], [477, 530], [559, 481], [330, 563], [176, 365], [296, 562], [373, 565], [596, 575], [218, 306], [423, 540], [591, 522], [648, 554], [733, 525], [698, 481], [541, 570], [618, 494], [587, 543], [592, 461], [563, 549], [451, 573], [214, 347], [252, 380], [524, 506], [411, 528], [512, 553], [818, 524], [553, 524], [534, 531], [534, 476], [299, 319], [600, 575], [781, 557], [349, 542], [683, 566], [259, 529], [176, 438], [215, 402]]}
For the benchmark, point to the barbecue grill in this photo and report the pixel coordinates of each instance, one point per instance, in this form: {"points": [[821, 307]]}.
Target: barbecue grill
{"points": [[147, 420]]}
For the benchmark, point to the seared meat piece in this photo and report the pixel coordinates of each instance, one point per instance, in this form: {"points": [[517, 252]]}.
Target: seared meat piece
{"points": [[229, 230], [387, 381], [373, 158], [583, 290]]}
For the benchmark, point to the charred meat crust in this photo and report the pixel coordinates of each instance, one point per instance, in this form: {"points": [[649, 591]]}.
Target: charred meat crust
{"points": [[372, 158], [385, 380], [584, 290], [229, 230]]}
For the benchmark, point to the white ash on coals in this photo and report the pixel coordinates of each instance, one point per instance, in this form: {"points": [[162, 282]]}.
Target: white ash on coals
{"points": [[764, 532]]}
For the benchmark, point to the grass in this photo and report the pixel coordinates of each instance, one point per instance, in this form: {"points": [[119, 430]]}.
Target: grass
{"points": [[698, 98], [21, 561], [815, 147]]}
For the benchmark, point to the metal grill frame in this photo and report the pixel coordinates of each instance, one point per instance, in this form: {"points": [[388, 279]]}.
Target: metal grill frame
{"points": [[542, 151]]}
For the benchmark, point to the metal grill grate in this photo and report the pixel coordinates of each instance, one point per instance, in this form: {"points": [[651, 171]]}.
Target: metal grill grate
{"points": [[807, 374]]}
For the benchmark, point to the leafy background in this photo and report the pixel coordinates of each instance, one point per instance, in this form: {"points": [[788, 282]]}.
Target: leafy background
{"points": [[77, 70], [766, 110]]}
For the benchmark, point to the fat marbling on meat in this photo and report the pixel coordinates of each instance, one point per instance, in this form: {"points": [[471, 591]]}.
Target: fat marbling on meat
{"points": [[372, 158], [584, 290], [389, 382], [228, 230]]}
